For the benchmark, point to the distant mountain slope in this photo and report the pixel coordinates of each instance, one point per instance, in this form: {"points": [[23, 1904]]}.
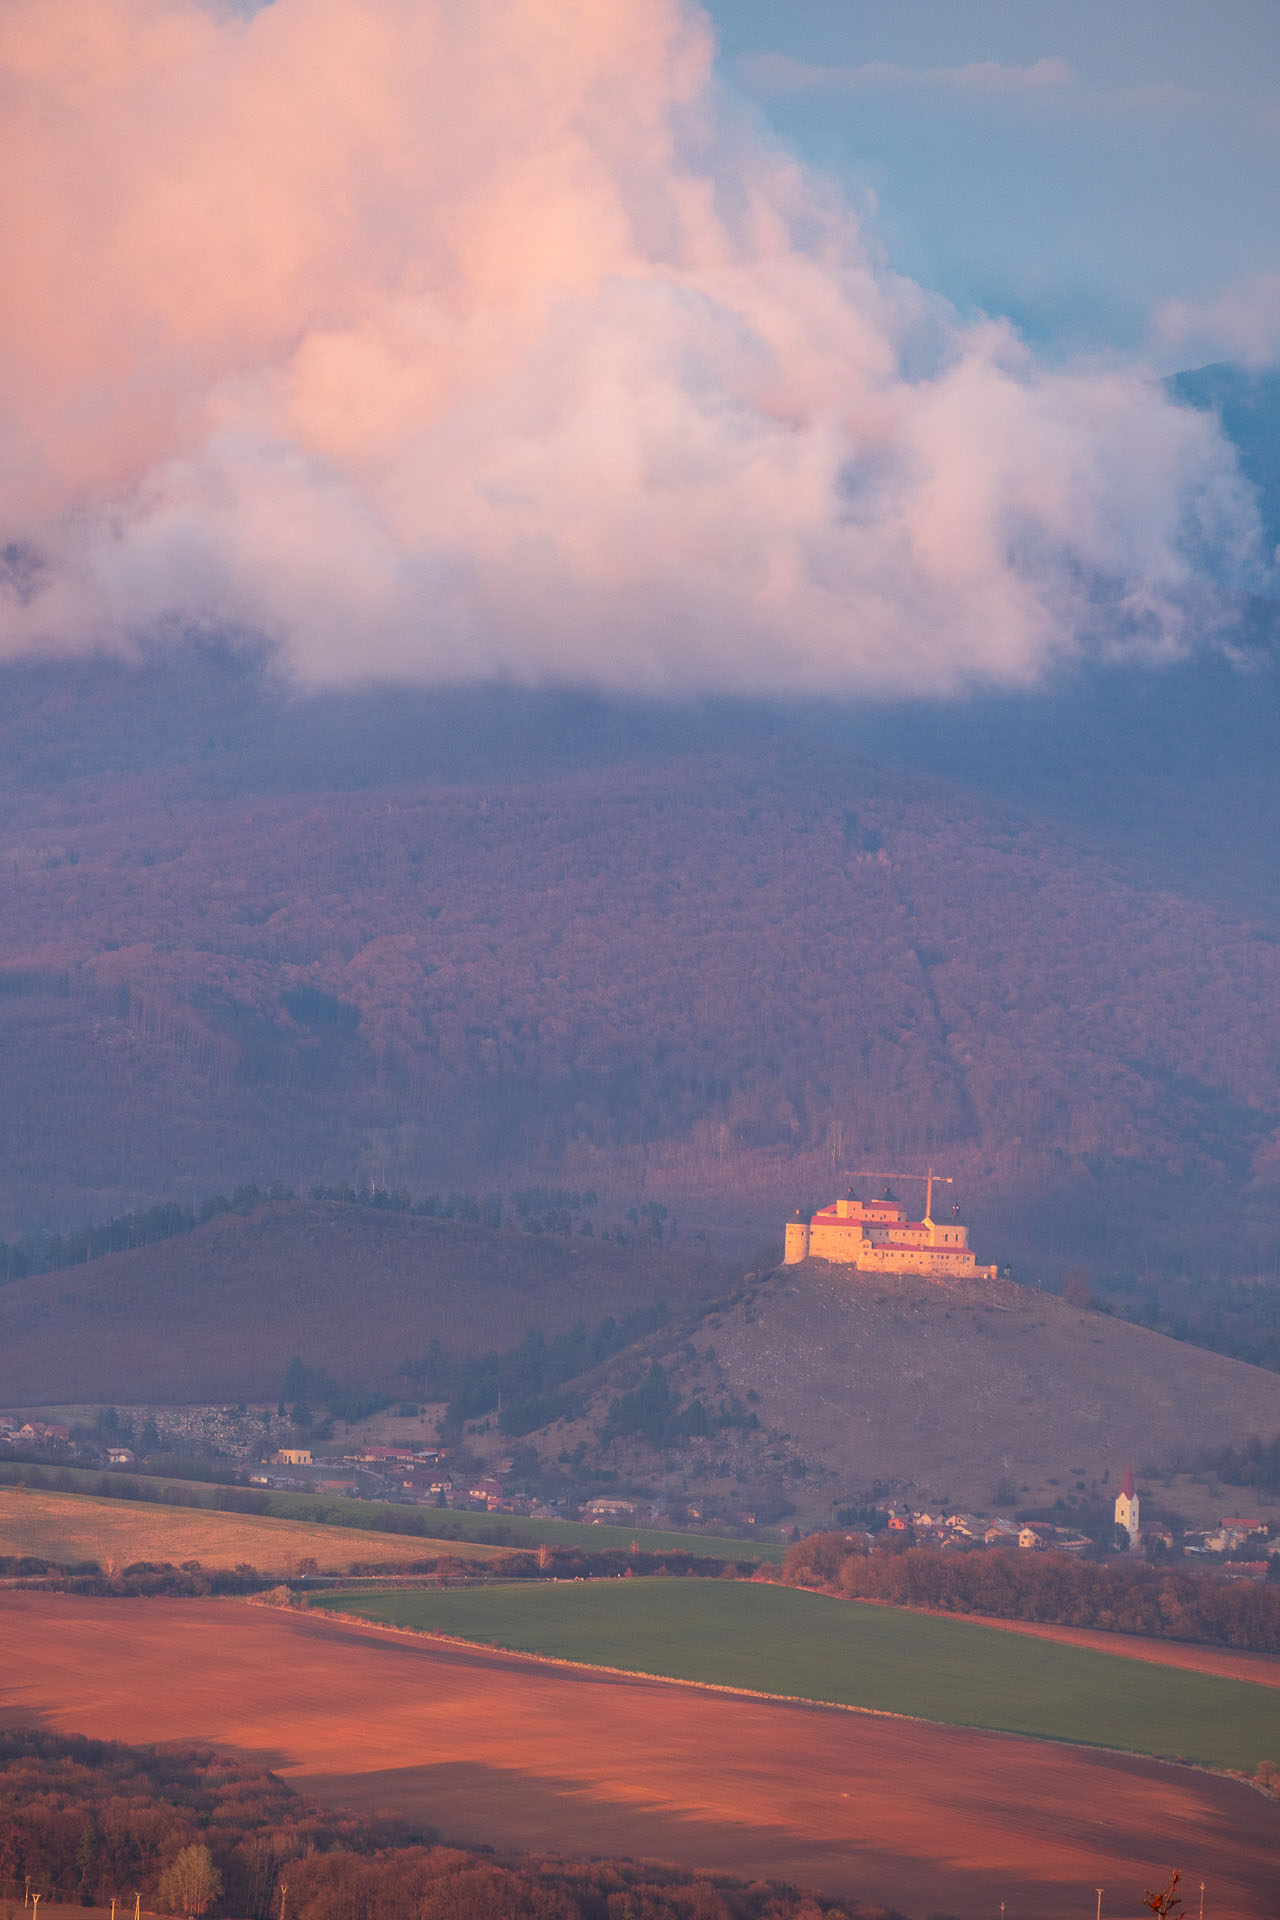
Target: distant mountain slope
{"points": [[938, 1393], [217, 1314], [702, 959]]}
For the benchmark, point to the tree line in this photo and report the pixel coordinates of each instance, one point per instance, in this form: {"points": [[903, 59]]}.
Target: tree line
{"points": [[1055, 1588], [191, 1830], [1254, 1464], [538, 1209], [51, 1253], [528, 1384]]}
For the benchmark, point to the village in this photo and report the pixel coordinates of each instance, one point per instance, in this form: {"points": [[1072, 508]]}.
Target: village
{"points": [[422, 1474]]}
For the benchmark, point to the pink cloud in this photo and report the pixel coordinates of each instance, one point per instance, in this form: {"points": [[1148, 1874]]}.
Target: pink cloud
{"points": [[432, 341], [1240, 323]]}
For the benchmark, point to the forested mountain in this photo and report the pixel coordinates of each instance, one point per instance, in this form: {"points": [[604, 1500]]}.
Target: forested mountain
{"points": [[725, 962]]}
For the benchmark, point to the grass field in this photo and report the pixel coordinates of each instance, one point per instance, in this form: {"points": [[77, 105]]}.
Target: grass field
{"points": [[68, 1527], [804, 1645], [514, 1530]]}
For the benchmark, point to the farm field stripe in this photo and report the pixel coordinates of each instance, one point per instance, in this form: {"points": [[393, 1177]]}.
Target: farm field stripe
{"points": [[491, 1747], [782, 1643], [518, 1531], [69, 1527], [636, 1673]]}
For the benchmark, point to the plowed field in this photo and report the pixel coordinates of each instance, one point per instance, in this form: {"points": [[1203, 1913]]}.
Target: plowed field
{"points": [[493, 1747]]}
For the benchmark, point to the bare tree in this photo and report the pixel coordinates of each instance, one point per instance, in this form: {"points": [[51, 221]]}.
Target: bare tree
{"points": [[1170, 1901], [192, 1883]]}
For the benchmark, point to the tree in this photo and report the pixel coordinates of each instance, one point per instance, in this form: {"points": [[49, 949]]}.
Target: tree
{"points": [[191, 1883], [1169, 1901], [1077, 1291]]}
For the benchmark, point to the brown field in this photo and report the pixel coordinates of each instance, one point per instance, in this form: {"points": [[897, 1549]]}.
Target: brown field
{"points": [[493, 1747], [72, 1526], [1262, 1668]]}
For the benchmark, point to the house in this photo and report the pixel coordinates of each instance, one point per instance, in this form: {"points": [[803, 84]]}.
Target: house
{"points": [[1242, 1530], [292, 1456], [605, 1508], [966, 1524], [42, 1433], [120, 1456]]}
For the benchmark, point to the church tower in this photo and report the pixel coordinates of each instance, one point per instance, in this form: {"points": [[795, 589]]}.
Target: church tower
{"points": [[1127, 1507]]}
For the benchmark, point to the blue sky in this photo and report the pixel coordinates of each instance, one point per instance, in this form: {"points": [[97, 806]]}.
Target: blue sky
{"points": [[1080, 168]]}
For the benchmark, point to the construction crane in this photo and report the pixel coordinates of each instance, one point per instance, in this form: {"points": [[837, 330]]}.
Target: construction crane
{"points": [[943, 1179]]}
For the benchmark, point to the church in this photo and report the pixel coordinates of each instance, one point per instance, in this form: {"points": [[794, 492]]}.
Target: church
{"points": [[875, 1236], [1127, 1508]]}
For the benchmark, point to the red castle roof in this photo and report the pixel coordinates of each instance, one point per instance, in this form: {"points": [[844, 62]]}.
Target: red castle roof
{"points": [[1127, 1488]]}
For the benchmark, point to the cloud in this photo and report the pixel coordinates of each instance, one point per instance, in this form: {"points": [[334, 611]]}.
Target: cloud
{"points": [[1241, 323], [778, 73], [436, 342]]}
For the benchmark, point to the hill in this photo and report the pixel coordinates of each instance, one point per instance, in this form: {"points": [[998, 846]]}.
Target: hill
{"points": [[933, 1394], [217, 1314]]}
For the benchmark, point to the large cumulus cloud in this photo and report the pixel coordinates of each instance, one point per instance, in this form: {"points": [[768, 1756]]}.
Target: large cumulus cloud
{"points": [[435, 341]]}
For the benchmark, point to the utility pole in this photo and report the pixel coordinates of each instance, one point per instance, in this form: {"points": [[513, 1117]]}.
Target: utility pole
{"points": [[113, 1907], [26, 1891], [137, 1906], [35, 1904], [1202, 1900], [1100, 1893], [284, 1888]]}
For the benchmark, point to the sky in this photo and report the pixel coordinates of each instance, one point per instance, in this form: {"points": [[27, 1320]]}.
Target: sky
{"points": [[1105, 173], [613, 342]]}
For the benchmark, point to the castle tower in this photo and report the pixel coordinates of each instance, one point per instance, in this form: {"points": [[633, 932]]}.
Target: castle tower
{"points": [[1127, 1507], [796, 1247]]}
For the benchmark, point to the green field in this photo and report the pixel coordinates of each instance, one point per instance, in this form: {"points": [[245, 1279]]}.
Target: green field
{"points": [[322, 1509], [778, 1640]]}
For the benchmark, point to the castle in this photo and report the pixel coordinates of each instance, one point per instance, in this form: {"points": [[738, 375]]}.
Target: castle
{"points": [[875, 1236]]}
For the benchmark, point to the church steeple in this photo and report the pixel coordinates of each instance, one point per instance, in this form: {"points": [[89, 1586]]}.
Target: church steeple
{"points": [[1127, 1506]]}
